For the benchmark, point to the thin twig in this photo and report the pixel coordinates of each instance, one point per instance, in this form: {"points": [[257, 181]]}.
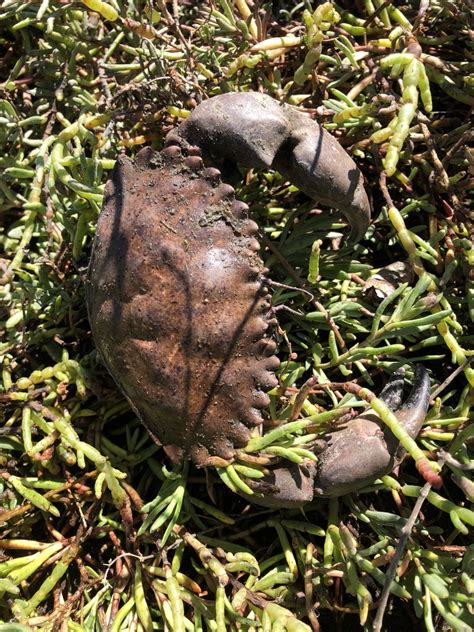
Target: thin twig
{"points": [[392, 569], [439, 389], [377, 12]]}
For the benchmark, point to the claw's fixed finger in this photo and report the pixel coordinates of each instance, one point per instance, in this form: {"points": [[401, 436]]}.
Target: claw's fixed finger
{"points": [[412, 413], [319, 166], [392, 393]]}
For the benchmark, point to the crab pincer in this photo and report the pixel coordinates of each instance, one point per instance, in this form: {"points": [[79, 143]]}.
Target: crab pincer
{"points": [[353, 456], [177, 297]]}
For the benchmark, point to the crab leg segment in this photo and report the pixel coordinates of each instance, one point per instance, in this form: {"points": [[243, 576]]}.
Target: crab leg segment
{"points": [[255, 130]]}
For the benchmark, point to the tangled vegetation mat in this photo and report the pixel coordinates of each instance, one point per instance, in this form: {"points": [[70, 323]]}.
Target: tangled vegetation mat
{"points": [[98, 530]]}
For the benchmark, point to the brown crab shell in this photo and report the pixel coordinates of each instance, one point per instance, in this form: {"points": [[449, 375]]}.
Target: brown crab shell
{"points": [[177, 304]]}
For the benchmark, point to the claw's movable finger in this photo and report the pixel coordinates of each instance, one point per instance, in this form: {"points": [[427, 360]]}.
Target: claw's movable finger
{"points": [[392, 393], [419, 396], [412, 412]]}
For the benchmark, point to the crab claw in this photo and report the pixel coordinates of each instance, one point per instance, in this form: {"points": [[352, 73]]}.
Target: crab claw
{"points": [[366, 449], [354, 456], [255, 130]]}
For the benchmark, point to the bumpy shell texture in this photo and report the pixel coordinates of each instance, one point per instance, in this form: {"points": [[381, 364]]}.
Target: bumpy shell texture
{"points": [[177, 304]]}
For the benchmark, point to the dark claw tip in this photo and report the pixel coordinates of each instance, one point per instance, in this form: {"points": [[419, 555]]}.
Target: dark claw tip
{"points": [[412, 412], [419, 396], [392, 393]]}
